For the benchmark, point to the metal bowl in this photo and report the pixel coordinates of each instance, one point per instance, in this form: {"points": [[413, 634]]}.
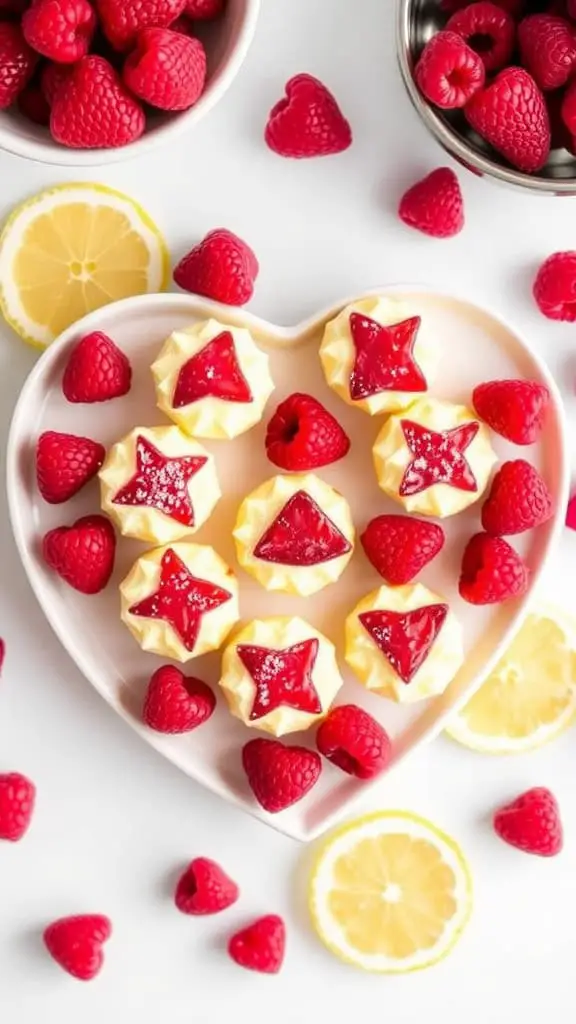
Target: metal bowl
{"points": [[418, 20]]}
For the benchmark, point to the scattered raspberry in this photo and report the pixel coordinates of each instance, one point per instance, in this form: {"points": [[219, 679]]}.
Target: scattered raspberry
{"points": [[489, 31], [434, 205], [260, 947], [548, 49], [82, 554], [51, 78], [449, 72], [511, 115], [354, 741], [492, 571], [17, 798], [204, 888], [122, 20], [555, 287], [33, 105], [61, 30], [303, 435], [166, 69], [532, 823], [17, 63], [571, 513], [177, 703], [64, 463], [399, 547], [515, 409], [75, 943], [307, 122], [203, 10], [519, 500], [221, 267], [97, 370], [278, 775], [94, 110]]}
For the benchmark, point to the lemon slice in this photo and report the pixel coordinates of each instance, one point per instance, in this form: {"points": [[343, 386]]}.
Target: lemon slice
{"points": [[390, 892], [72, 249], [530, 697]]}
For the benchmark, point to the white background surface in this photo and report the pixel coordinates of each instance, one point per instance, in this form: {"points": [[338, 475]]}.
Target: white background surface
{"points": [[114, 822]]}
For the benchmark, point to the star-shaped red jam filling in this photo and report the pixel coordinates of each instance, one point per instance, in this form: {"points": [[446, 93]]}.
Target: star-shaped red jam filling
{"points": [[213, 372], [405, 638], [282, 677], [161, 482], [181, 599], [301, 534], [384, 357], [438, 457]]}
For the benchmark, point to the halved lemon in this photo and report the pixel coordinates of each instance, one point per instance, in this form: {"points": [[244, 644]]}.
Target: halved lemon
{"points": [[72, 249], [390, 892], [530, 697]]}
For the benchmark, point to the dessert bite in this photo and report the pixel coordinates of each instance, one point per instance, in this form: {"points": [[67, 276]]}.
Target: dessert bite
{"points": [[404, 643], [294, 533], [435, 459], [280, 675], [376, 356], [158, 485], [180, 601], [212, 380]]}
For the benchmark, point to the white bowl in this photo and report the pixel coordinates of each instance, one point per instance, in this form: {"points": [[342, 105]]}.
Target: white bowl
{"points": [[227, 41]]}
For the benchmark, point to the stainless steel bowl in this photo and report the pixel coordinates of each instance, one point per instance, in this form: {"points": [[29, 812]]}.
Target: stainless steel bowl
{"points": [[417, 21]]}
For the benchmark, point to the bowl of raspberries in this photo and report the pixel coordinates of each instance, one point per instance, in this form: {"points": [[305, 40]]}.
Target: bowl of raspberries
{"points": [[495, 83], [86, 82]]}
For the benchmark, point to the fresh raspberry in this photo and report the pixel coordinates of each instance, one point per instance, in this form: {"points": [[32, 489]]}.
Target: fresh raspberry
{"points": [[33, 105], [555, 287], [515, 409], [278, 775], [204, 10], [64, 463], [354, 741], [547, 49], [511, 115], [17, 798], [82, 554], [519, 500], [17, 63], [449, 72], [571, 513], [532, 823], [307, 121], [204, 888], [97, 370], [51, 78], [122, 20], [399, 547], [560, 137], [60, 29], [488, 30], [513, 7], [166, 69], [303, 435], [492, 571], [260, 946], [434, 205], [175, 702], [94, 110], [75, 943], [221, 267], [568, 109]]}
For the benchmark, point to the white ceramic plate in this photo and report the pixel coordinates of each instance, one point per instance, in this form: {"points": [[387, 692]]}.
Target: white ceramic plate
{"points": [[476, 346]]}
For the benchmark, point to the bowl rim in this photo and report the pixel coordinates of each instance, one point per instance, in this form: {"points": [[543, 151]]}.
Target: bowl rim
{"points": [[50, 152]]}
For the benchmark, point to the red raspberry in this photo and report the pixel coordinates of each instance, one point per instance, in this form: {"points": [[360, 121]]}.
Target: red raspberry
{"points": [[75, 943], [64, 463], [97, 370], [511, 115], [17, 63], [434, 205], [571, 513], [94, 110], [560, 136], [166, 69], [487, 29], [260, 947], [399, 547], [491, 571], [548, 49], [449, 72], [278, 775], [122, 20], [354, 741], [303, 435], [17, 798], [307, 122], [176, 703], [221, 266], [60, 29], [519, 500], [555, 287], [33, 105], [532, 823], [204, 888], [568, 109], [82, 554], [204, 10], [51, 78], [515, 409]]}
